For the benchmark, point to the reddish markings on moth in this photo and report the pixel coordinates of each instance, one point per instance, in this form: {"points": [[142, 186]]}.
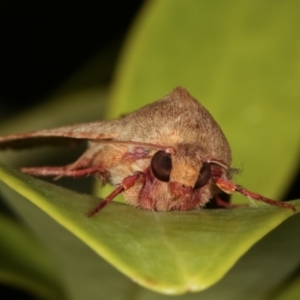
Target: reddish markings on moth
{"points": [[168, 155]]}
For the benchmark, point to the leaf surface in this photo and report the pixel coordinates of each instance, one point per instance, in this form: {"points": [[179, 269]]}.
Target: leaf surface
{"points": [[24, 262], [169, 252]]}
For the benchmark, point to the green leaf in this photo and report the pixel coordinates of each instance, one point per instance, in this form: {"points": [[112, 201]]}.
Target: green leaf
{"points": [[240, 59], [171, 252], [291, 292], [25, 263], [82, 273]]}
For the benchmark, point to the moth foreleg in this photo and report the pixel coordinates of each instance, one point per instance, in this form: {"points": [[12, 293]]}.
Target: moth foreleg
{"points": [[61, 171], [221, 200], [229, 187], [126, 183]]}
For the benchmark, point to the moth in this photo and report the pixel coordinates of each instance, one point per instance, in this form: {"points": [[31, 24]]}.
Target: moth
{"points": [[168, 155]]}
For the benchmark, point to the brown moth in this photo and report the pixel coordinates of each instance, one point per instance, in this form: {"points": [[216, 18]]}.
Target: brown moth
{"points": [[168, 155]]}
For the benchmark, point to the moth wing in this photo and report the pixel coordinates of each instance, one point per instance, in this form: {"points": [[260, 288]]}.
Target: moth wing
{"points": [[66, 136]]}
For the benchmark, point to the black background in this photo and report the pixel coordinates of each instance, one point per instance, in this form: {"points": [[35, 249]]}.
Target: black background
{"points": [[43, 43]]}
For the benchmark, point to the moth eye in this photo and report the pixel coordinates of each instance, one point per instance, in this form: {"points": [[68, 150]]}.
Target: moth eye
{"points": [[204, 176], [161, 165]]}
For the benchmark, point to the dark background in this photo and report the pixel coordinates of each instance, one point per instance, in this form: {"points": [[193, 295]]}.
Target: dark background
{"points": [[43, 43]]}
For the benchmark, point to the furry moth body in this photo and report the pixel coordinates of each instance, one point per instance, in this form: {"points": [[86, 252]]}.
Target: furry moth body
{"points": [[168, 155]]}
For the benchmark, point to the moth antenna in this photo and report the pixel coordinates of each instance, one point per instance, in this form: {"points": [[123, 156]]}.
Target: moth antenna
{"points": [[219, 163]]}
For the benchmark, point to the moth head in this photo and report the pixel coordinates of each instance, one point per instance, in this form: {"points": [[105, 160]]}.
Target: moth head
{"points": [[183, 172]]}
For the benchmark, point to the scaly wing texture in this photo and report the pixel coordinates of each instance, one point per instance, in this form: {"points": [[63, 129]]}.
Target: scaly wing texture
{"points": [[68, 135]]}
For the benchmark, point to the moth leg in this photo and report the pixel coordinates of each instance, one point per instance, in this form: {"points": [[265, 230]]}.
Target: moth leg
{"points": [[83, 166], [61, 171], [126, 183], [221, 200], [229, 187]]}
